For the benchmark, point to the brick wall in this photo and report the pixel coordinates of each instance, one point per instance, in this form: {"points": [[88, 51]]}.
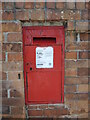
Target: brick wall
{"points": [[75, 17]]}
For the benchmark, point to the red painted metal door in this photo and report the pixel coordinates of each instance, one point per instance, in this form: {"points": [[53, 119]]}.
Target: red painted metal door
{"points": [[43, 73]]}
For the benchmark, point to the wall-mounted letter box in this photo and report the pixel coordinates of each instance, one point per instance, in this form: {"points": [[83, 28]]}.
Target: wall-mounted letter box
{"points": [[43, 53]]}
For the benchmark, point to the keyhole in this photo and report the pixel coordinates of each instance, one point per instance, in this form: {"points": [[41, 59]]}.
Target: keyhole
{"points": [[19, 76], [30, 68]]}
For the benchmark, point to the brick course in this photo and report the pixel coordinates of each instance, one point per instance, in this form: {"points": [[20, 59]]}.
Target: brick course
{"points": [[75, 18]]}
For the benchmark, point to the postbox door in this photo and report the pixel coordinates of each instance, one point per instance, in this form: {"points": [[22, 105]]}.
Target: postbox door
{"points": [[43, 73]]}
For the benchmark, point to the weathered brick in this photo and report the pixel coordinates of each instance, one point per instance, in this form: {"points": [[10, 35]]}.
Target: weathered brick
{"points": [[50, 4], [77, 15], [87, 5], [77, 96], [19, 5], [11, 47], [52, 15], [4, 93], [15, 57], [84, 15], [71, 55], [17, 110], [22, 15], [77, 46], [13, 101], [39, 4], [38, 15], [9, 5], [14, 85], [84, 55], [15, 76], [70, 25], [31, 107], [70, 89], [3, 56], [15, 93], [71, 72], [60, 5], [84, 36], [5, 110], [80, 5], [76, 64], [14, 37], [70, 37], [83, 88], [8, 15], [3, 5], [76, 80], [70, 5], [4, 75], [82, 26], [11, 27], [83, 72], [35, 112], [12, 66], [29, 5]]}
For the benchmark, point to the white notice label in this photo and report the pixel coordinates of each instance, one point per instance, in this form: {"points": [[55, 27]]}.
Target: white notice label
{"points": [[44, 57]]}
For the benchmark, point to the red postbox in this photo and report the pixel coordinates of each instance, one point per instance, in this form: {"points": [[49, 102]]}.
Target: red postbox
{"points": [[43, 53]]}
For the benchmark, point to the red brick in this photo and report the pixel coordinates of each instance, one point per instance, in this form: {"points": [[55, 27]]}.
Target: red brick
{"points": [[76, 80], [80, 5], [22, 15], [70, 72], [70, 89], [19, 4], [87, 5], [50, 4], [84, 36], [29, 5], [11, 27], [39, 4], [52, 15], [71, 55], [14, 85], [15, 76], [9, 5], [70, 25], [78, 96], [3, 5], [3, 56], [84, 55], [83, 88], [77, 15], [4, 93], [60, 5], [11, 47], [4, 75], [70, 37], [83, 26], [37, 15], [84, 14], [83, 72], [12, 66], [5, 110], [15, 57], [76, 64], [13, 101], [31, 107], [15, 93], [50, 113], [17, 110], [35, 112], [70, 5], [14, 37], [7, 15]]}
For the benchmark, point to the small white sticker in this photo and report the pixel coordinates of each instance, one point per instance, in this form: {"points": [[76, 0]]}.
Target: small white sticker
{"points": [[44, 57]]}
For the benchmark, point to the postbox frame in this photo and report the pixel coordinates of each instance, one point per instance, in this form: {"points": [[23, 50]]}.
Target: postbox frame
{"points": [[60, 37]]}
